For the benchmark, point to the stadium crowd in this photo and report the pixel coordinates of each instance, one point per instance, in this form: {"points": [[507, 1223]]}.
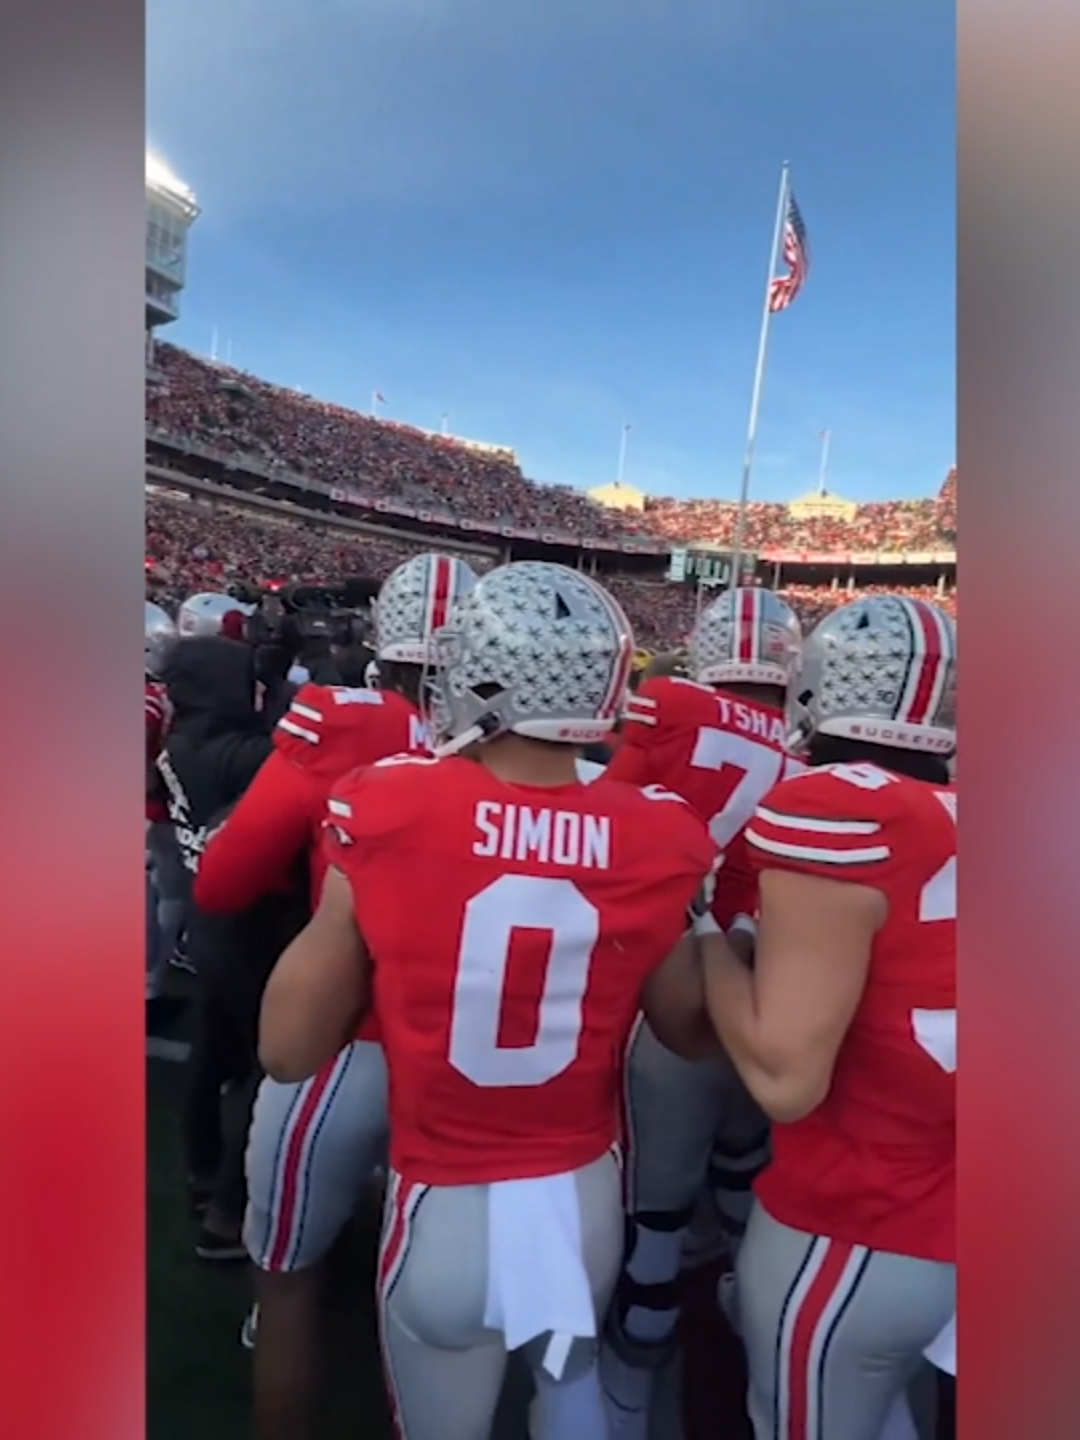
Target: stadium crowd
{"points": [[231, 412], [887, 525], [193, 546]]}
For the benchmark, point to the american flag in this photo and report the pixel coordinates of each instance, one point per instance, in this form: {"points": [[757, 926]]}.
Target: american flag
{"points": [[784, 288]]}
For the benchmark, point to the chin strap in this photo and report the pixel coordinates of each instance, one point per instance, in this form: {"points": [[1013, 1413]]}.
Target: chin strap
{"points": [[459, 742], [486, 728]]}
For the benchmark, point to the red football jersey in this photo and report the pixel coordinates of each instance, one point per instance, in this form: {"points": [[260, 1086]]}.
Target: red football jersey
{"points": [[512, 929], [875, 1163], [327, 732], [721, 753]]}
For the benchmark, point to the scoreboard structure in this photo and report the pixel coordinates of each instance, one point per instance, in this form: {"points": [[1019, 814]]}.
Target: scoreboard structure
{"points": [[171, 210], [708, 567]]}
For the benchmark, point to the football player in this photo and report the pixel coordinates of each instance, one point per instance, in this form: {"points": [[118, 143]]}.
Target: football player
{"points": [[313, 1146], [845, 1031], [552, 912], [716, 739]]}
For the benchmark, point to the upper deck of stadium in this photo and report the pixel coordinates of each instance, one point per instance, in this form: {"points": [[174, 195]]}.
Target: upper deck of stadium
{"points": [[394, 469]]}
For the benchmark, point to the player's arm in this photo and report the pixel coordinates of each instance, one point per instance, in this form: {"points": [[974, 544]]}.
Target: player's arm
{"points": [[783, 1022], [254, 852], [318, 991], [673, 997], [673, 1002], [639, 733]]}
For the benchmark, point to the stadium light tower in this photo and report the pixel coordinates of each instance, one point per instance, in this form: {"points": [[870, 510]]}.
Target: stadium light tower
{"points": [[171, 210]]}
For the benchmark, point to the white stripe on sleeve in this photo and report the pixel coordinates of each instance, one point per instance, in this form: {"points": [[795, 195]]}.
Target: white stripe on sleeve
{"points": [[815, 853], [823, 827], [311, 736]]}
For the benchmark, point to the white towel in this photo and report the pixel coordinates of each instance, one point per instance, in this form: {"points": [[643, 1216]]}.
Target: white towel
{"points": [[941, 1352], [536, 1273]]}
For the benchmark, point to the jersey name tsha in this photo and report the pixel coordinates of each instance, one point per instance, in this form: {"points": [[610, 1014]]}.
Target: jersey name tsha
{"points": [[554, 837], [748, 719]]}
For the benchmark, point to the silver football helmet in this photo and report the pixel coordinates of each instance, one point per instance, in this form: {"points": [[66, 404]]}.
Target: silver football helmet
{"points": [[160, 632], [748, 636], [881, 670], [536, 649], [415, 600], [203, 614]]}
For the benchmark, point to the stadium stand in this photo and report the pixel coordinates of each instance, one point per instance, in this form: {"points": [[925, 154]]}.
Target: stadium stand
{"points": [[211, 405], [889, 525], [382, 469]]}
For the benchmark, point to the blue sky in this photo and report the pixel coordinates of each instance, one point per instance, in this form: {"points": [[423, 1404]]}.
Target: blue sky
{"points": [[548, 219]]}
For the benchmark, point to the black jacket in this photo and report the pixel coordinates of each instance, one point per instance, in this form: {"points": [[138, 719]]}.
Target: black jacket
{"points": [[216, 739], [215, 745]]}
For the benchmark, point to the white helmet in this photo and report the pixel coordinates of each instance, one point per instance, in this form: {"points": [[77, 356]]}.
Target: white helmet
{"points": [[881, 670], [536, 649], [749, 636], [415, 600], [160, 632], [203, 614]]}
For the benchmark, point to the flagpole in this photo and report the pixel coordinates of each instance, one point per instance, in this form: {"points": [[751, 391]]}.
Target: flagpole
{"points": [[759, 377], [826, 437], [375, 404], [622, 455]]}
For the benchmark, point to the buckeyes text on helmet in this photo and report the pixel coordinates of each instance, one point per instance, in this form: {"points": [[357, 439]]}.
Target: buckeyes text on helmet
{"points": [[416, 600], [882, 671], [748, 636], [536, 650]]}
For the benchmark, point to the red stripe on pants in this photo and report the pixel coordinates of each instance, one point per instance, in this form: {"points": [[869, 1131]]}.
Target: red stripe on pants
{"points": [[290, 1183], [801, 1385]]}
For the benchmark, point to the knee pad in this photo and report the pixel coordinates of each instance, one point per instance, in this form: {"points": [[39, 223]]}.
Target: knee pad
{"points": [[653, 1298]]}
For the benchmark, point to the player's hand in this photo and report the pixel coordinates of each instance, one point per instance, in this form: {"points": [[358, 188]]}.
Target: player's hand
{"points": [[703, 900]]}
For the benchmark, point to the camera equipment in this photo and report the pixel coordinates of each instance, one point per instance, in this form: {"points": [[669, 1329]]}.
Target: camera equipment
{"points": [[303, 617]]}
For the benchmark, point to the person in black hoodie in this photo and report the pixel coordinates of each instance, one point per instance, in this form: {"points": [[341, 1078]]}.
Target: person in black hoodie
{"points": [[217, 741]]}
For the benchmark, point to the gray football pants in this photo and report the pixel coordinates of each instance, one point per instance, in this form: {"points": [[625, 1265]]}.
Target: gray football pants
{"points": [[833, 1332], [696, 1141], [311, 1150], [679, 1110], [444, 1366]]}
